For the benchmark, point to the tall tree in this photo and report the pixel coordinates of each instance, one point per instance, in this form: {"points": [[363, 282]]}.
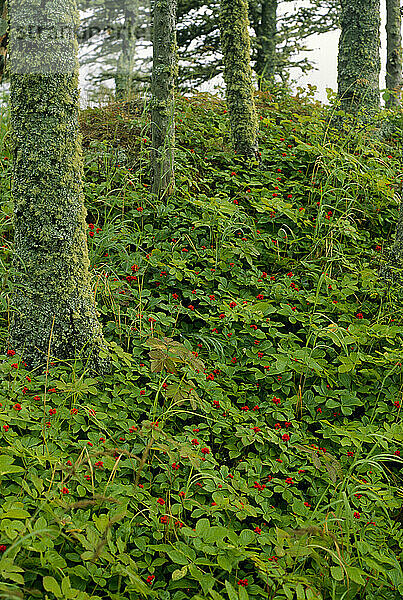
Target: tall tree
{"points": [[52, 304], [394, 62], [358, 60], [238, 76], [124, 76], [114, 37], [163, 101], [199, 41], [266, 34]]}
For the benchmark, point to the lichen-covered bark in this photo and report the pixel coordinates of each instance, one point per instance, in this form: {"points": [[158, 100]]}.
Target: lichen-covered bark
{"points": [[358, 59], [235, 44], [163, 101], [266, 41], [394, 63], [52, 299], [3, 37], [125, 66]]}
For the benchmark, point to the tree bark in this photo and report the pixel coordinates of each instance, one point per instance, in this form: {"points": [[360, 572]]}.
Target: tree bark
{"points": [[266, 42], [235, 44], [125, 67], [358, 59], [52, 303], [3, 37], [394, 63], [163, 100]]}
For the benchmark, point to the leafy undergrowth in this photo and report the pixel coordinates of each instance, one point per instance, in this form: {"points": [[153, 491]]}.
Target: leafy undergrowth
{"points": [[246, 443]]}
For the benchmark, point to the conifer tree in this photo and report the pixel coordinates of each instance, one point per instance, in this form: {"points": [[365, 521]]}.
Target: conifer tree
{"points": [[52, 303], [124, 76], [266, 34], [358, 59], [394, 63], [113, 37], [277, 37], [238, 76], [163, 101]]}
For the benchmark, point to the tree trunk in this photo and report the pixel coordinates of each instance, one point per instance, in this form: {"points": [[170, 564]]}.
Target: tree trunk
{"points": [[266, 39], [3, 37], [235, 44], [163, 100], [394, 64], [52, 303], [358, 60], [125, 66]]}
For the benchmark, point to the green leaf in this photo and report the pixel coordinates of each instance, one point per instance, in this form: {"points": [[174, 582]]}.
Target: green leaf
{"points": [[215, 595], [246, 537], [243, 594], [50, 584], [6, 465], [215, 533], [224, 562], [202, 526], [300, 591], [179, 573], [356, 575], [66, 586], [177, 557], [15, 513], [232, 595]]}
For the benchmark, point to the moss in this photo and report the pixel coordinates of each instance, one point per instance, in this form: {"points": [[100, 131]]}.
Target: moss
{"points": [[163, 101], [358, 59], [235, 44], [51, 278]]}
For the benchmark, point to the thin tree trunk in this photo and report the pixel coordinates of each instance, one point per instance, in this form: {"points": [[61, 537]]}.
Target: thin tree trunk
{"points": [[52, 302], [358, 59], [235, 44], [163, 100], [125, 66], [266, 40], [3, 37], [394, 63]]}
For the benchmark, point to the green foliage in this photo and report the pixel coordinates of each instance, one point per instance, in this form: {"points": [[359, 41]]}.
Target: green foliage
{"points": [[247, 441]]}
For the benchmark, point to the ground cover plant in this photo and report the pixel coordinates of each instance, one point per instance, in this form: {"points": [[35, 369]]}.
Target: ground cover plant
{"points": [[246, 441]]}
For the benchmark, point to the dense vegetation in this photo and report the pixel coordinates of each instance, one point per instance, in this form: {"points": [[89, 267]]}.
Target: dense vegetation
{"points": [[246, 441]]}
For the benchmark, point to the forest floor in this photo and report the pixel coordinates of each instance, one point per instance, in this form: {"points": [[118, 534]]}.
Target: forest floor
{"points": [[246, 443]]}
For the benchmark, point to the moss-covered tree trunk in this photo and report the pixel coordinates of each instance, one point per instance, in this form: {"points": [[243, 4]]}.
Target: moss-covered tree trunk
{"points": [[358, 59], [394, 63], [3, 37], [52, 302], [125, 66], [266, 40], [235, 44], [163, 100]]}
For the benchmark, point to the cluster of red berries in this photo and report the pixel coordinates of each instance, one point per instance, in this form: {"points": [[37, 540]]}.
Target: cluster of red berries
{"points": [[91, 227]]}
